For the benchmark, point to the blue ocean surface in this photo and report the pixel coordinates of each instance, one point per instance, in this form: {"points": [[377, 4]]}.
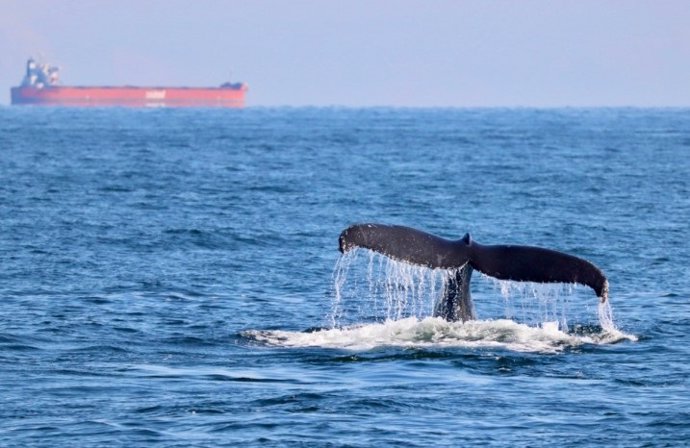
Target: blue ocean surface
{"points": [[172, 278]]}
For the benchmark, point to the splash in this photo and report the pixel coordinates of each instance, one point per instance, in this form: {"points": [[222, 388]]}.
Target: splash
{"points": [[609, 330], [380, 302], [437, 333], [368, 286]]}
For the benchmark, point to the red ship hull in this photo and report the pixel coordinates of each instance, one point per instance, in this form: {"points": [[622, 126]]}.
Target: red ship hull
{"points": [[231, 96]]}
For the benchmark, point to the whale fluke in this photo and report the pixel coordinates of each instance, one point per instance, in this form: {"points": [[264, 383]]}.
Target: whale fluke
{"points": [[536, 264], [505, 262]]}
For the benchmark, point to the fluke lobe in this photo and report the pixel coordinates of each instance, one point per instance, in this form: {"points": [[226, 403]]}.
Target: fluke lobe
{"points": [[460, 257]]}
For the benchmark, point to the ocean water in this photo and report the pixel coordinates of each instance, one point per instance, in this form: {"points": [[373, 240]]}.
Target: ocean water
{"points": [[171, 278]]}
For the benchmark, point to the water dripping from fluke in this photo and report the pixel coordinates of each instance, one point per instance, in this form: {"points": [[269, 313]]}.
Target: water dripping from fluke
{"points": [[370, 288]]}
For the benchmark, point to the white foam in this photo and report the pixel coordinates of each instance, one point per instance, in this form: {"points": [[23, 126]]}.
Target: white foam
{"points": [[437, 332]]}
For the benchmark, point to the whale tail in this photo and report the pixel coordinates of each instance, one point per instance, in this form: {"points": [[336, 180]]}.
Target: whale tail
{"points": [[536, 264], [460, 257]]}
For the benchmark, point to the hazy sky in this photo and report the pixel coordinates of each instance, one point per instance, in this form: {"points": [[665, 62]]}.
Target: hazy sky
{"points": [[366, 53]]}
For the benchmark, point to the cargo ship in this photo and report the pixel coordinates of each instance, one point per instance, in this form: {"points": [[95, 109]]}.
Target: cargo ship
{"points": [[41, 86]]}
